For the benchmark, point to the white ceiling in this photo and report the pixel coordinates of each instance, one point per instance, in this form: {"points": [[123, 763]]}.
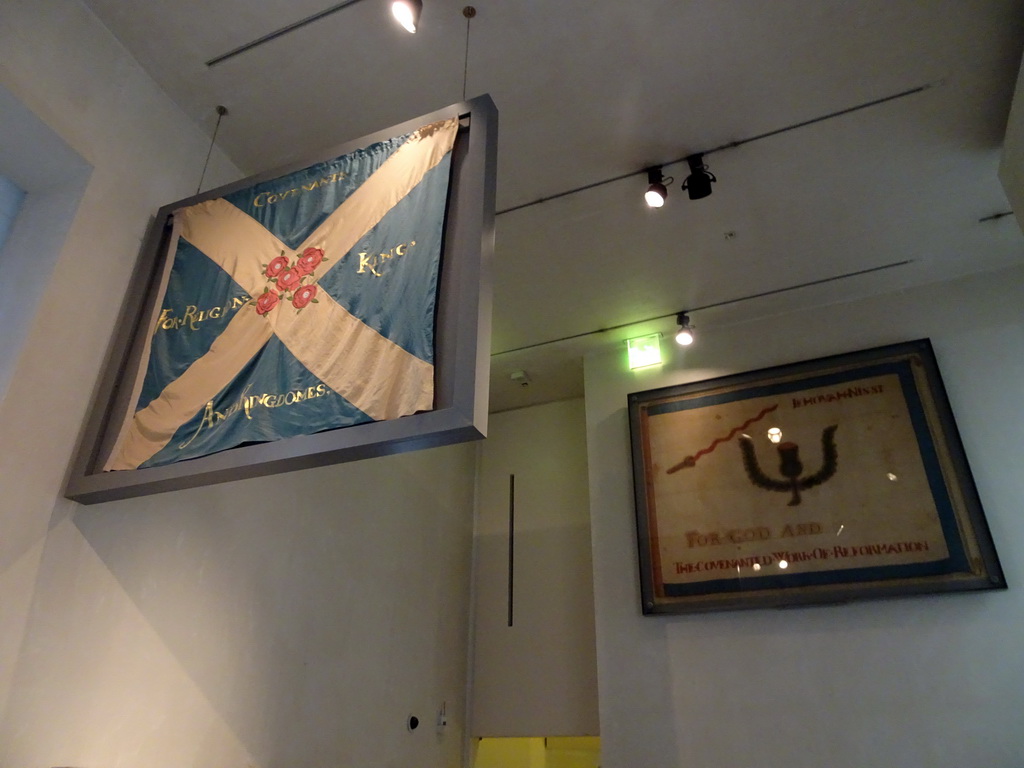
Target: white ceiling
{"points": [[592, 89]]}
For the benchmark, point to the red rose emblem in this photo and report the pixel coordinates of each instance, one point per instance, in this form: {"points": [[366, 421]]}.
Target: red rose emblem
{"points": [[309, 260], [303, 296], [289, 280], [277, 266], [266, 302]]}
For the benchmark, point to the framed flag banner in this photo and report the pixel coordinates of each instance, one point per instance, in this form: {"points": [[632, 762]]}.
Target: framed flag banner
{"points": [[329, 311], [824, 481]]}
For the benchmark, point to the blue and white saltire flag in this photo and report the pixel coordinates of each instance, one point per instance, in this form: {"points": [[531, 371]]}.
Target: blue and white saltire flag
{"points": [[297, 305]]}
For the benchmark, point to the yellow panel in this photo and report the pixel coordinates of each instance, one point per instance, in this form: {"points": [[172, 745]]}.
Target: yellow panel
{"points": [[551, 752], [510, 753], [573, 752]]}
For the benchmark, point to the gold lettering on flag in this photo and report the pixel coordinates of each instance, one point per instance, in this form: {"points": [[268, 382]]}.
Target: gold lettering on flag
{"points": [[373, 373]]}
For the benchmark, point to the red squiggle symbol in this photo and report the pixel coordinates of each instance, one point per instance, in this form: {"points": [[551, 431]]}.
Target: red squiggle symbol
{"points": [[690, 461]]}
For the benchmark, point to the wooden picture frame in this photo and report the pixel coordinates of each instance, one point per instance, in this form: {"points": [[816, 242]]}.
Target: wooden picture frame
{"points": [[461, 351], [823, 481]]}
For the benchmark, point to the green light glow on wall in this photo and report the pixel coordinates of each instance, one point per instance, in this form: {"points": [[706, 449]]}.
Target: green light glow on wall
{"points": [[644, 351]]}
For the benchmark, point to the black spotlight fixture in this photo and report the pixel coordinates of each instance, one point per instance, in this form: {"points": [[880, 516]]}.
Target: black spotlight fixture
{"points": [[698, 183], [407, 13], [657, 191]]}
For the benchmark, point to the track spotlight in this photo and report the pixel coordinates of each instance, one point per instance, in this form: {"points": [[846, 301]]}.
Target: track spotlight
{"points": [[698, 183], [407, 12], [684, 335], [656, 192]]}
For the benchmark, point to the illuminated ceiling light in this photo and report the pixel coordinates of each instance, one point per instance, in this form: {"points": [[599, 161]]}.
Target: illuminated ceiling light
{"points": [[657, 191], [644, 351], [407, 13], [698, 183], [684, 334]]}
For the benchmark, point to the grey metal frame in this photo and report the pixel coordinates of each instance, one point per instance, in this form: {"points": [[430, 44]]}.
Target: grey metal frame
{"points": [[462, 354]]}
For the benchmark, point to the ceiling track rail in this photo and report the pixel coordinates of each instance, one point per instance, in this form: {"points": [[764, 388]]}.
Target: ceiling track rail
{"points": [[715, 305], [722, 147], [280, 32]]}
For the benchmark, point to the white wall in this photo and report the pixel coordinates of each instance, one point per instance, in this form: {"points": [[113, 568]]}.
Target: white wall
{"points": [[537, 677], [294, 620], [933, 681]]}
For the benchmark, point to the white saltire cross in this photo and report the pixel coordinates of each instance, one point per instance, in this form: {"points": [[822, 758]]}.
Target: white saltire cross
{"points": [[373, 373]]}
